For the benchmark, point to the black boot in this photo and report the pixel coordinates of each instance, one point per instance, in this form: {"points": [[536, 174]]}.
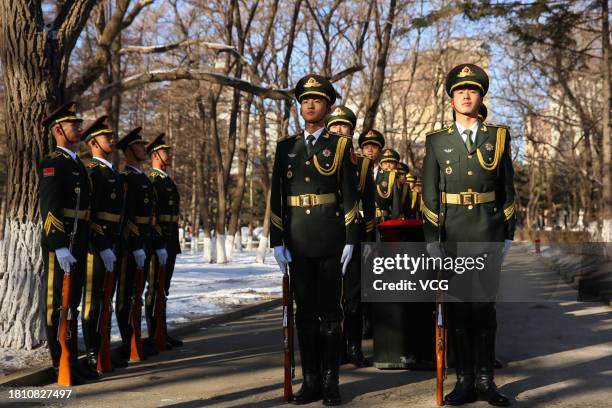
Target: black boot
{"points": [[331, 344], [89, 365], [308, 339], [485, 386], [367, 332], [148, 347], [464, 391], [353, 328], [173, 341]]}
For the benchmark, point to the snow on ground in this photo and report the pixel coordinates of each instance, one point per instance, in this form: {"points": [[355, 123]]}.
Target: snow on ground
{"points": [[198, 289]]}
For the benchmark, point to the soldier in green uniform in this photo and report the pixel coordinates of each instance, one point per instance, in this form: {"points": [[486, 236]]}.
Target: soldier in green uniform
{"points": [[407, 195], [342, 120], [387, 187], [314, 228], [64, 196], [168, 208], [468, 196], [138, 234], [105, 218], [371, 144]]}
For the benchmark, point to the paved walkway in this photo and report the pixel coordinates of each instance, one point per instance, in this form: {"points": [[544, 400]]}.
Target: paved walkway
{"points": [[559, 354]]}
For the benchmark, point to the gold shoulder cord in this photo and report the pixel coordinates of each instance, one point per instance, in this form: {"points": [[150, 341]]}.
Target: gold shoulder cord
{"points": [[365, 163], [337, 158], [500, 144], [389, 187]]}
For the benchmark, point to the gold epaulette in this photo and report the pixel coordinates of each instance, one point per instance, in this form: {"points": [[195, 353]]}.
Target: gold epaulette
{"points": [[442, 129], [156, 174], [288, 138], [92, 164], [496, 125]]}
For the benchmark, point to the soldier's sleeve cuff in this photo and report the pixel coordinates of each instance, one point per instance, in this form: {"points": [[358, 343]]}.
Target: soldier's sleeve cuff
{"points": [[350, 216], [510, 211], [52, 223], [276, 221], [429, 215]]}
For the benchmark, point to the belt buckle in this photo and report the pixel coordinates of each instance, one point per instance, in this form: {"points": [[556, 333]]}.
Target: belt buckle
{"points": [[306, 200], [468, 198]]}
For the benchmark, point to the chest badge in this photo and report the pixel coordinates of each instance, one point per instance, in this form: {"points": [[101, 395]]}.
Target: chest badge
{"points": [[384, 184], [113, 196], [488, 146], [448, 150], [326, 152], [289, 174], [449, 170]]}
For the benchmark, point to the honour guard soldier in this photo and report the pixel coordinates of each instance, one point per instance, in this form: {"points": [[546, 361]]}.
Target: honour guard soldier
{"points": [[407, 194], [387, 186], [314, 230], [106, 209], [168, 208], [64, 208], [468, 196], [137, 234], [342, 120], [371, 144]]}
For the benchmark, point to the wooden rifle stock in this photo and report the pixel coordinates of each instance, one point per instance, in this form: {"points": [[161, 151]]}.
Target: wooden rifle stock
{"points": [[64, 376], [287, 338], [440, 350], [160, 310], [136, 317], [104, 359]]}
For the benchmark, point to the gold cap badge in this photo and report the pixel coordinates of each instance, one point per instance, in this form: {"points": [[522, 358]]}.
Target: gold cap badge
{"points": [[465, 72], [72, 108], [311, 83], [337, 112]]}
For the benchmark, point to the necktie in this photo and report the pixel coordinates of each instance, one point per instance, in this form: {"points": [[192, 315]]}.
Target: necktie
{"points": [[309, 145], [468, 139]]}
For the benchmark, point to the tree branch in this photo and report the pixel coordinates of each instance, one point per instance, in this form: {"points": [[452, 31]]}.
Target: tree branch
{"points": [[153, 49], [97, 64], [71, 19], [129, 19], [178, 74]]}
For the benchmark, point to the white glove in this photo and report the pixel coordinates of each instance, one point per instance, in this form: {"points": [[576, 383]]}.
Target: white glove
{"points": [[282, 256], [139, 257], [109, 258], [162, 255], [507, 245], [434, 249], [368, 249], [65, 259], [347, 253]]}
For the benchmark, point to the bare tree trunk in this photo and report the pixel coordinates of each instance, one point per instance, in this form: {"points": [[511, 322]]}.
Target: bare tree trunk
{"points": [[372, 99], [33, 79], [265, 183], [606, 62]]}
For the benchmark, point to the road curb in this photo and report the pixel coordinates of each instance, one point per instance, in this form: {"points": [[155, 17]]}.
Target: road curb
{"points": [[43, 375]]}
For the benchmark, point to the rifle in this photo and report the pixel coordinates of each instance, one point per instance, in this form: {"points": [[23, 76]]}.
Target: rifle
{"points": [[136, 317], [64, 376], [289, 363], [440, 349], [159, 310], [104, 358]]}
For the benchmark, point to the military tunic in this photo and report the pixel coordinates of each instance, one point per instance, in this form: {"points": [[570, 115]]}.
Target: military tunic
{"points": [[315, 213], [387, 195], [167, 214], [60, 177], [468, 196], [138, 233], [106, 210]]}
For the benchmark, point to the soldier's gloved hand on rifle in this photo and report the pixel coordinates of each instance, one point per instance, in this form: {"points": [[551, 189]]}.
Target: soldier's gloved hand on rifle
{"points": [[108, 258], [507, 245], [347, 253], [139, 257], [435, 250], [162, 255], [65, 259], [282, 256]]}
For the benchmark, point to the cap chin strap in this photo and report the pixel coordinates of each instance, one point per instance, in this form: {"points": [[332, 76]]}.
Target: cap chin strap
{"points": [[160, 158], [64, 134], [101, 148]]}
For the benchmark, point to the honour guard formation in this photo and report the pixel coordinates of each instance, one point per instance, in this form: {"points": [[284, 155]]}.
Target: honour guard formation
{"points": [[110, 240], [105, 233]]}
